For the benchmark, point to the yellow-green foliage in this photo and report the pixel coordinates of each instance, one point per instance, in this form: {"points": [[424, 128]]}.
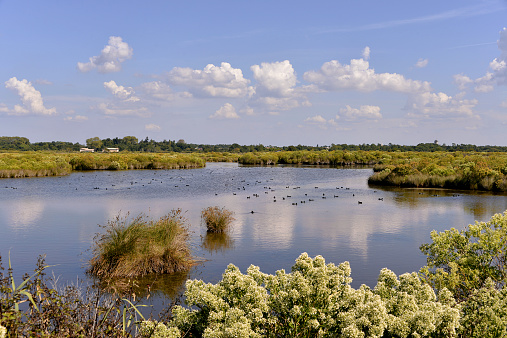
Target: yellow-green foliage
{"points": [[141, 247], [31, 164], [314, 300], [337, 157], [217, 219], [482, 171], [464, 260]]}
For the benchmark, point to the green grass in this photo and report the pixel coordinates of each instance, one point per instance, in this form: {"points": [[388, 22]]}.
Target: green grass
{"points": [[216, 219], [138, 247], [41, 163]]}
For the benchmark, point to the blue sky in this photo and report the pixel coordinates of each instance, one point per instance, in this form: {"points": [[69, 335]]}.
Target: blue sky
{"points": [[251, 72]]}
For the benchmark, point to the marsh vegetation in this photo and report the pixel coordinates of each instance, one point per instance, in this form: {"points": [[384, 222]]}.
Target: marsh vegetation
{"points": [[454, 170], [140, 246], [216, 219], [36, 164]]}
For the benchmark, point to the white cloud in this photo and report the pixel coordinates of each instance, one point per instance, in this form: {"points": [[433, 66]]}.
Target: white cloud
{"points": [[77, 118], [162, 91], [462, 81], [498, 73], [227, 111], [152, 127], [504, 104], [363, 112], [366, 53], [276, 79], [113, 110], [440, 105], [276, 87], [316, 119], [120, 92], [320, 121], [31, 98], [110, 59], [359, 76], [214, 81], [421, 63]]}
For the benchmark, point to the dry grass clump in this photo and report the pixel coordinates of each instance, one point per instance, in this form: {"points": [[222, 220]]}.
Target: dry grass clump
{"points": [[141, 247], [217, 219]]}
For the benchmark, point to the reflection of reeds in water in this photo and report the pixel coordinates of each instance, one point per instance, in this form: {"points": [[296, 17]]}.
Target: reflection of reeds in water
{"points": [[215, 242], [167, 285]]}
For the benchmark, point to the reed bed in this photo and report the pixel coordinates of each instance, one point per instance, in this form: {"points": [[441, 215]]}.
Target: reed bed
{"points": [[471, 171], [37, 164], [138, 247], [216, 219], [309, 157]]}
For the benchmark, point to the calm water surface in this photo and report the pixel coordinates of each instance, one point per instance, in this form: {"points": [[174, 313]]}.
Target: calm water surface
{"points": [[58, 216]]}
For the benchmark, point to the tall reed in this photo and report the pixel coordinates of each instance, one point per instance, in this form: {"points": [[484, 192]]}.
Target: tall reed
{"points": [[142, 246], [217, 219]]}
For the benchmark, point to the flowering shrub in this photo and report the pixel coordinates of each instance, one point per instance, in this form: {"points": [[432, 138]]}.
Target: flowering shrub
{"points": [[314, 300]]}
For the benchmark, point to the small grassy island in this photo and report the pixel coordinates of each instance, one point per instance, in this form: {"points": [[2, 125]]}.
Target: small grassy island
{"points": [[140, 246]]}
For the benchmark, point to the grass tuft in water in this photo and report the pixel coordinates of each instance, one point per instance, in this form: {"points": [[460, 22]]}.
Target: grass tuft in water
{"points": [[142, 246], [217, 219]]}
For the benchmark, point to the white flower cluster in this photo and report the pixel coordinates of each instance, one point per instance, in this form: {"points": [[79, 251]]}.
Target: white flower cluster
{"points": [[314, 300]]}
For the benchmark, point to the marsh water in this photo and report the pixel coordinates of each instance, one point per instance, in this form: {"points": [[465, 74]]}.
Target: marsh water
{"points": [[322, 211]]}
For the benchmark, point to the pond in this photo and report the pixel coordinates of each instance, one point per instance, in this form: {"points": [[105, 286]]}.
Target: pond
{"points": [[322, 211]]}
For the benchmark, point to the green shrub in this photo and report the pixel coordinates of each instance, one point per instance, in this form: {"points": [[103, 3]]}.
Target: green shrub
{"points": [[141, 247], [217, 219]]}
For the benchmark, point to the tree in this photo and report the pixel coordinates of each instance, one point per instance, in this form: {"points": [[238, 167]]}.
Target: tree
{"points": [[130, 140], [94, 143]]}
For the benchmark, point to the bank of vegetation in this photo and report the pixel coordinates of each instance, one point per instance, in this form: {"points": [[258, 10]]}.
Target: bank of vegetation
{"points": [[37, 164], [470, 171], [461, 292]]}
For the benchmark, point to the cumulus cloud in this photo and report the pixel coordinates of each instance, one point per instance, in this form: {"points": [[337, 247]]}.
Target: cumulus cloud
{"points": [[421, 63], [497, 75], [120, 92], [162, 91], [152, 127], [276, 79], [363, 112], [462, 81], [440, 105], [276, 87], [212, 81], [227, 111], [320, 121], [358, 75], [31, 98], [504, 104], [316, 119], [110, 59]]}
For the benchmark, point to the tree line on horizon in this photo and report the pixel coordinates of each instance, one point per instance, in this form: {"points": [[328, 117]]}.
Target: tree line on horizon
{"points": [[132, 143]]}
